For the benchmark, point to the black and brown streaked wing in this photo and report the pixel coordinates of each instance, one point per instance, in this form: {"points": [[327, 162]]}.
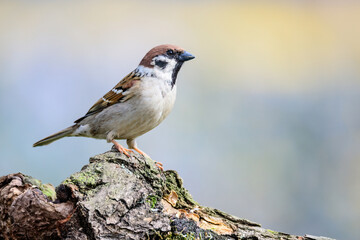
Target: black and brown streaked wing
{"points": [[123, 91]]}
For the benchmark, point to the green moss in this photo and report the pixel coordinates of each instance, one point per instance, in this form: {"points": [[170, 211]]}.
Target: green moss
{"points": [[152, 200], [272, 232], [88, 178], [175, 183], [152, 175], [47, 189]]}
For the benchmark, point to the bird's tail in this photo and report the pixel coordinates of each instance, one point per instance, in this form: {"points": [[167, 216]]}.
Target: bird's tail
{"points": [[63, 133]]}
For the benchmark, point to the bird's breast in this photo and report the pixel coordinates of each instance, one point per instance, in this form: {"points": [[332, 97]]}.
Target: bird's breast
{"points": [[158, 98], [149, 110]]}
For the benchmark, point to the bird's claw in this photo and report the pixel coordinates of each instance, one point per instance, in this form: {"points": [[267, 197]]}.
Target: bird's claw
{"points": [[159, 165], [121, 149], [126, 151]]}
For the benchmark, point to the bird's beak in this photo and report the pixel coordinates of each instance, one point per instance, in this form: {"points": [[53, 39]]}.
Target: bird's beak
{"points": [[185, 56]]}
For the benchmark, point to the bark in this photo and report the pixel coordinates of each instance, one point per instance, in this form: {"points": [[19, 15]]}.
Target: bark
{"points": [[116, 197]]}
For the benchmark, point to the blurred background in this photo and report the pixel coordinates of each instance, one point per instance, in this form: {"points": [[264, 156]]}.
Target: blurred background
{"points": [[267, 121]]}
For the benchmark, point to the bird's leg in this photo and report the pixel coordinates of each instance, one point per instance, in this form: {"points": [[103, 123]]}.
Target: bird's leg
{"points": [[158, 164], [132, 144], [121, 148]]}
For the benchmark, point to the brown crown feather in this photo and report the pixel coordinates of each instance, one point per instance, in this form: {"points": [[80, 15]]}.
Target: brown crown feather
{"points": [[158, 50]]}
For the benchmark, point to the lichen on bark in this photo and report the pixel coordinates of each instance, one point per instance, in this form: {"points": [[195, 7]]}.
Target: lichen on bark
{"points": [[116, 197]]}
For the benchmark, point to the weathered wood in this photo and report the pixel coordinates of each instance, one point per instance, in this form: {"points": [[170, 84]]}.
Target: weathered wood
{"points": [[116, 197]]}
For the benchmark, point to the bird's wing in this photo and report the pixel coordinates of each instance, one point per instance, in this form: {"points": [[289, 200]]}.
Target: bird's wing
{"points": [[123, 91]]}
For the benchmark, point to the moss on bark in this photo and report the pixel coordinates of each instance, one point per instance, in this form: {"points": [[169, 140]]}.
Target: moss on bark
{"points": [[116, 197]]}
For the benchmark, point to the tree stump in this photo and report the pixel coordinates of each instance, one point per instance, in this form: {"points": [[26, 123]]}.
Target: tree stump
{"points": [[117, 197]]}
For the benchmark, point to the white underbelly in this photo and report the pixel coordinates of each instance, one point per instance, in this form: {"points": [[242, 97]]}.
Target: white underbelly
{"points": [[130, 119]]}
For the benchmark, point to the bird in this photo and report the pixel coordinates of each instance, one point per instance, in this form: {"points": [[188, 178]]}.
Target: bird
{"points": [[136, 105]]}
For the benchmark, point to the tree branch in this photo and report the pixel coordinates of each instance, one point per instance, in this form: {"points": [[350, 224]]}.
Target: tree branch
{"points": [[116, 197]]}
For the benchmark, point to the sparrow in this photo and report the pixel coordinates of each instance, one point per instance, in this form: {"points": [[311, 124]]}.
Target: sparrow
{"points": [[137, 104]]}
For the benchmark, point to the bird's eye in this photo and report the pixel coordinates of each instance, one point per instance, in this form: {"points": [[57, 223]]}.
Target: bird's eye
{"points": [[170, 52]]}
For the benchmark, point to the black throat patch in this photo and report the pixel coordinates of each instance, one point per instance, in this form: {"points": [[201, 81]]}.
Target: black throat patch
{"points": [[175, 73]]}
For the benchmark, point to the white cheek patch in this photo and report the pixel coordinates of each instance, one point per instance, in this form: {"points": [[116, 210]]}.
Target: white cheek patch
{"points": [[171, 65], [165, 73]]}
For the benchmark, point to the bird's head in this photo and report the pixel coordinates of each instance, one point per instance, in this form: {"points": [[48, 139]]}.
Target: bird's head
{"points": [[165, 61]]}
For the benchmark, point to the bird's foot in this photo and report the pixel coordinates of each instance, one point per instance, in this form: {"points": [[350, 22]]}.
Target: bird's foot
{"points": [[158, 164], [141, 152], [121, 149]]}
